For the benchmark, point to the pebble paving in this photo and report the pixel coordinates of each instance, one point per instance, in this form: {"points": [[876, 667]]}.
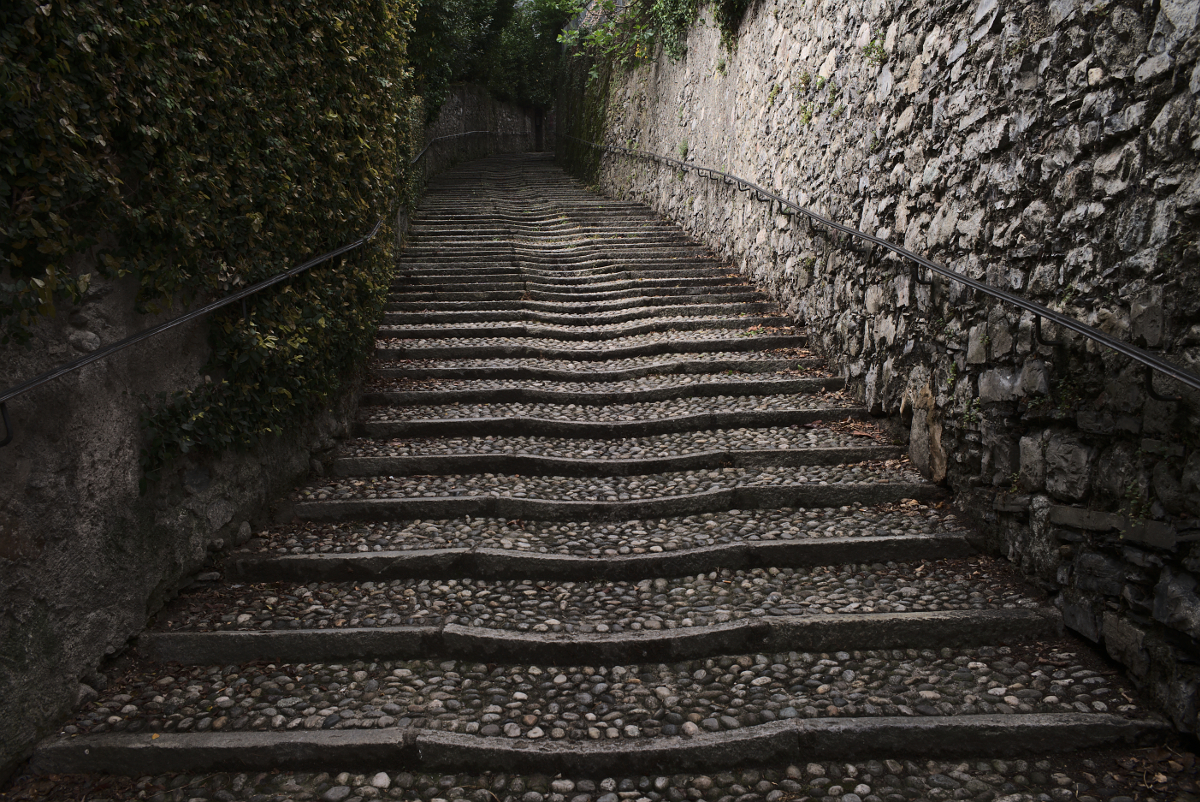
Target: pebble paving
{"points": [[604, 606], [600, 540], [549, 343], [667, 445], [608, 488], [639, 411], [1096, 778], [680, 382], [607, 702], [664, 363], [603, 703], [550, 330]]}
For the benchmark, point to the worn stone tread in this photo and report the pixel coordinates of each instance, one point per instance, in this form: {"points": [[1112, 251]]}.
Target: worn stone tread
{"points": [[414, 748], [492, 563], [815, 633], [590, 429], [480, 393]]}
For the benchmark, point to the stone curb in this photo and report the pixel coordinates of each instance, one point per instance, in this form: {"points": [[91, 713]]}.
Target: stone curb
{"points": [[566, 334], [537, 465], [538, 395], [813, 633], [680, 367], [740, 498], [673, 346], [585, 429], [412, 748], [503, 564]]}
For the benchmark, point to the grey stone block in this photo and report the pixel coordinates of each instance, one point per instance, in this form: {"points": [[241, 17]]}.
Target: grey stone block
{"points": [[1068, 467]]}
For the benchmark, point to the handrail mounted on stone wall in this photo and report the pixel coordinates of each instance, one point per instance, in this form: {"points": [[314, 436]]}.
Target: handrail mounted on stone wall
{"points": [[153, 331], [1150, 361]]}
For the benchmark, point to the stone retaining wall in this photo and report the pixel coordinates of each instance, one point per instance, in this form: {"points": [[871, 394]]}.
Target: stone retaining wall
{"points": [[1049, 149]]}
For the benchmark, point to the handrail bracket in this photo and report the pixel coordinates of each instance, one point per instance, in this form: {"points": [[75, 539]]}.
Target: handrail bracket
{"points": [[1155, 394], [1037, 332]]}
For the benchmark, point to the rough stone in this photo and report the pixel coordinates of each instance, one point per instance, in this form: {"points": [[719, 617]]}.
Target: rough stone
{"points": [[1176, 603], [1068, 467]]}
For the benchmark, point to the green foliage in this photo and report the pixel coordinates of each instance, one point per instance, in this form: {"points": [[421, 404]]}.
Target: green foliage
{"points": [[683, 149], [451, 41], [729, 18], [200, 148], [522, 65], [628, 35], [875, 53]]}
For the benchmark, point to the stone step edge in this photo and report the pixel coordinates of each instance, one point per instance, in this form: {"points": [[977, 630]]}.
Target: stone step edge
{"points": [[639, 302], [523, 351], [763, 309], [812, 633], [570, 334], [504, 564], [539, 395], [680, 367], [741, 498], [539, 465], [549, 427], [413, 748], [638, 291]]}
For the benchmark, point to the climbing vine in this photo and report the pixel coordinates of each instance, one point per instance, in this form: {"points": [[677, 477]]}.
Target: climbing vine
{"points": [[199, 148], [625, 33]]}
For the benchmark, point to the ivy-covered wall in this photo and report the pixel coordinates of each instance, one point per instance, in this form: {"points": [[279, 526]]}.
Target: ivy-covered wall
{"points": [[1049, 149], [154, 157]]}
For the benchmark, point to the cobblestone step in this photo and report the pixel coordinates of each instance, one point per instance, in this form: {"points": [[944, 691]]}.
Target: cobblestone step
{"points": [[602, 518], [401, 391], [615, 351], [779, 361], [585, 329], [1106, 773]]}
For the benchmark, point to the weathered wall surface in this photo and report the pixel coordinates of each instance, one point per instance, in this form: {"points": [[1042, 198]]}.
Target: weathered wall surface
{"points": [[470, 108], [1046, 148], [85, 557]]}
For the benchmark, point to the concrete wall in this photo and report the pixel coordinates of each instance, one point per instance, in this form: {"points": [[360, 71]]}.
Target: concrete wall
{"points": [[1048, 149], [85, 557]]}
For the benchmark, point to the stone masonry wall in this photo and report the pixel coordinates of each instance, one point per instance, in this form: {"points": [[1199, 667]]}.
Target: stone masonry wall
{"points": [[85, 557], [1048, 149]]}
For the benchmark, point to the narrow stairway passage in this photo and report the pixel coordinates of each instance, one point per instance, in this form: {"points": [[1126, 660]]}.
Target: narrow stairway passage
{"points": [[603, 515]]}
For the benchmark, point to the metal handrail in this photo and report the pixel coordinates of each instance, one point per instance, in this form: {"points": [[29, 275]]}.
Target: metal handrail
{"points": [[1152, 362], [431, 142], [153, 331]]}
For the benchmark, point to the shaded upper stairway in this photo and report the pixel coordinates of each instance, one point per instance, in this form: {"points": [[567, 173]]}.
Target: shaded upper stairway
{"points": [[603, 515]]}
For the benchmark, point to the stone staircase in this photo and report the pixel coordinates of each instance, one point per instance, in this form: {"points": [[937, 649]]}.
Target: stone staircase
{"points": [[606, 531]]}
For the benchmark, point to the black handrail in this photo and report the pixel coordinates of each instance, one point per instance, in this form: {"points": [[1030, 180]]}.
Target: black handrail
{"points": [[146, 334], [1152, 362], [431, 142]]}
